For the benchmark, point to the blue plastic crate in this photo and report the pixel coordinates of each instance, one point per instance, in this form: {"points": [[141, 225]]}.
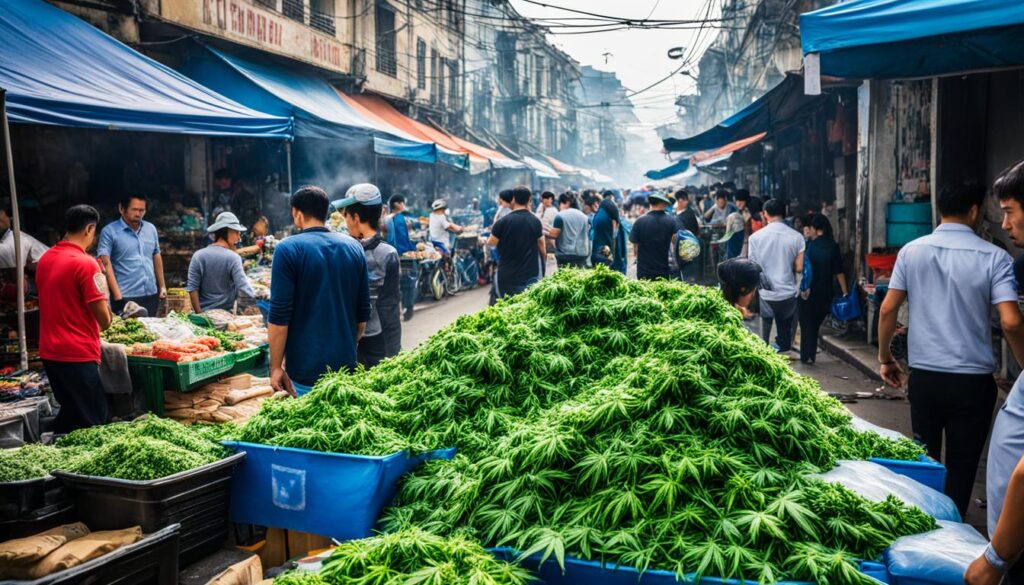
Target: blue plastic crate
{"points": [[330, 494], [581, 572], [925, 470]]}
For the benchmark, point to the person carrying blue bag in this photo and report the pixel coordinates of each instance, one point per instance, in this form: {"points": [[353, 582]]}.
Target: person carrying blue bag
{"points": [[823, 267]]}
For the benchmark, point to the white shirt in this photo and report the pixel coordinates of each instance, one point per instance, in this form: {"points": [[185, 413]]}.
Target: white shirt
{"points": [[775, 247], [547, 215], [31, 249], [952, 278], [439, 227]]}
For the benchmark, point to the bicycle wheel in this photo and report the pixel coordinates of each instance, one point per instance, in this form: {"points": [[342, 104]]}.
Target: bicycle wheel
{"points": [[453, 279], [438, 284]]}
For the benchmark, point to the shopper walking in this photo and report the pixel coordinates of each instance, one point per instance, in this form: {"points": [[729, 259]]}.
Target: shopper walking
{"points": [[362, 207], [546, 213], [654, 238], [952, 279], [687, 219], [779, 250], [215, 274], [606, 227], [504, 204], [826, 263], [571, 232], [129, 251], [319, 298], [72, 312], [397, 229], [719, 212], [519, 239]]}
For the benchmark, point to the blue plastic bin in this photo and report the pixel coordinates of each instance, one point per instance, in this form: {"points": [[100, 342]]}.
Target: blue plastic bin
{"points": [[329, 494], [925, 470], [581, 572]]}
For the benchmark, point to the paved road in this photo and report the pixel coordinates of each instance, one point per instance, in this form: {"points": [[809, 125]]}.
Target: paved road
{"points": [[834, 375]]}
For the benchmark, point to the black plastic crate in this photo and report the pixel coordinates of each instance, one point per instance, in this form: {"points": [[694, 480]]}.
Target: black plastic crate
{"points": [[38, 521], [196, 499], [19, 499], [151, 561]]}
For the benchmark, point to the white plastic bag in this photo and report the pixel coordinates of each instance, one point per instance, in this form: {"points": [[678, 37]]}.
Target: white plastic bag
{"points": [[876, 483], [940, 556]]}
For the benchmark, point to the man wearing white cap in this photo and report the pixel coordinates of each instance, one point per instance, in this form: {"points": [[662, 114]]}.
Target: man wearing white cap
{"points": [[215, 275], [440, 226], [362, 207]]}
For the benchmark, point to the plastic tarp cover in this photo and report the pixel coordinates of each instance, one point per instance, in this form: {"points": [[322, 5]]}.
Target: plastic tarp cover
{"points": [[542, 170], [939, 557], [914, 38], [60, 70], [876, 483], [870, 427], [677, 168]]}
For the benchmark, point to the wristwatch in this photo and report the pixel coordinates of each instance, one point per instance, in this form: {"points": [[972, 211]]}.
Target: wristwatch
{"points": [[995, 560]]}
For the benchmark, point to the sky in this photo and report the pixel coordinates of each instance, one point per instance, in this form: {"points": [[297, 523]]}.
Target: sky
{"points": [[638, 56]]}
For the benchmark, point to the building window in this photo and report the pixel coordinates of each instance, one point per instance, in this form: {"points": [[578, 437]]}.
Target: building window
{"points": [[294, 9], [387, 62], [421, 64], [538, 72], [442, 64], [271, 4], [454, 15], [453, 85], [553, 82], [433, 76], [321, 16]]}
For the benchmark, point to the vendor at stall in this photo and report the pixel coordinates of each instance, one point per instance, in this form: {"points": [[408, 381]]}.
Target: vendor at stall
{"points": [[362, 207], [440, 226], [129, 251], [255, 239], [215, 275], [319, 298], [31, 248], [740, 278], [72, 312]]}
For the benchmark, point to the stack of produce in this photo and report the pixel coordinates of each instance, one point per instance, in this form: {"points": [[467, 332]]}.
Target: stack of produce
{"points": [[128, 332], [637, 423], [191, 350], [144, 449], [411, 556], [235, 399], [249, 327]]}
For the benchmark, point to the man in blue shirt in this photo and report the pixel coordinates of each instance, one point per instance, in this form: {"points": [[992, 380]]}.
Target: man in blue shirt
{"points": [[397, 229], [952, 279], [319, 298], [129, 251]]}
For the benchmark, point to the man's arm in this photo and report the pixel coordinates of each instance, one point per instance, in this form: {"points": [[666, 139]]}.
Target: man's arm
{"points": [[1008, 538], [101, 312], [193, 295], [554, 232], [158, 268], [889, 368], [1013, 327], [798, 263], [108, 270], [842, 283], [360, 330], [540, 247], [492, 241], [278, 337]]}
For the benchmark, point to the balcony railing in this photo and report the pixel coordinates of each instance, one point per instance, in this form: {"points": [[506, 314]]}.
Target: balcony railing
{"points": [[294, 9]]}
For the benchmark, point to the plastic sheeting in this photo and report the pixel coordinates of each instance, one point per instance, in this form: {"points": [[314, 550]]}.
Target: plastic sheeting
{"points": [[59, 70], [677, 168], [914, 38], [783, 103], [540, 169], [876, 483], [870, 427], [939, 557]]}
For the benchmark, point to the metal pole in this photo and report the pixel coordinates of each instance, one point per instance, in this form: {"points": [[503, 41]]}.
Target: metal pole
{"points": [[288, 159], [19, 261]]}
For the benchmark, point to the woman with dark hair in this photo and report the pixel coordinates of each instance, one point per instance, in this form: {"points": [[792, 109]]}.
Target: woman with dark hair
{"points": [[740, 278], [816, 302], [605, 225]]}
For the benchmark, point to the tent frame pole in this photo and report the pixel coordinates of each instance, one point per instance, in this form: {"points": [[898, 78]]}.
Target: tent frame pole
{"points": [[19, 261]]}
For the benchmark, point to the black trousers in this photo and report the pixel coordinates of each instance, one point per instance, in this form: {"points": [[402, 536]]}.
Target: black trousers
{"points": [[151, 303], [782, 313], [77, 387], [568, 260], [811, 314], [958, 407]]}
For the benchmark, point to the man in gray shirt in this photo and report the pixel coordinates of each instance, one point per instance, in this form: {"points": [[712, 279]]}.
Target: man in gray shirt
{"points": [[952, 279], [215, 275], [571, 231], [779, 249]]}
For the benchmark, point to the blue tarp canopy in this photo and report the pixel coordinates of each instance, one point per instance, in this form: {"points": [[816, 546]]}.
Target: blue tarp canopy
{"points": [[914, 38], [60, 70], [678, 167], [783, 103], [318, 110]]}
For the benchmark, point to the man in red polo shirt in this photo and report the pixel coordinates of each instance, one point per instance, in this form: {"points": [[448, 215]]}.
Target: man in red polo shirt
{"points": [[73, 309]]}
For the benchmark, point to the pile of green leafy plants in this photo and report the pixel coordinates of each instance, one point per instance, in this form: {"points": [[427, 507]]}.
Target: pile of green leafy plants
{"points": [[145, 449], [637, 423], [127, 332], [411, 557]]}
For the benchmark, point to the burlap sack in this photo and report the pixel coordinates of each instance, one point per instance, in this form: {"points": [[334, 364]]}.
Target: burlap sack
{"points": [[86, 548], [247, 572], [236, 396], [22, 551]]}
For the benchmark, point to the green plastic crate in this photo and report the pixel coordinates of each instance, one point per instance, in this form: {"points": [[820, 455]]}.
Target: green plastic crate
{"points": [[200, 320], [247, 359], [155, 376]]}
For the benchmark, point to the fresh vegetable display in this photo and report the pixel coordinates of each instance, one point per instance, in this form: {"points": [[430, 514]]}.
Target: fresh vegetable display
{"points": [[145, 449], [191, 350], [631, 422], [411, 557], [127, 332]]}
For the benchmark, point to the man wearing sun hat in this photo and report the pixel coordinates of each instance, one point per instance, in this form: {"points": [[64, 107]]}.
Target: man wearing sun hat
{"points": [[654, 237], [215, 275], [440, 226]]}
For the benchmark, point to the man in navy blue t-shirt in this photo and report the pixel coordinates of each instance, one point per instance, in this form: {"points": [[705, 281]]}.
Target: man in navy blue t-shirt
{"points": [[319, 298]]}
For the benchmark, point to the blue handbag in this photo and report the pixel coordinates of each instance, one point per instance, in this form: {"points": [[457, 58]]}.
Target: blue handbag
{"points": [[847, 308]]}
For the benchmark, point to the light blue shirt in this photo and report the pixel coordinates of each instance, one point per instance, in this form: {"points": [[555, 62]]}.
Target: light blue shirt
{"points": [[952, 278], [1005, 449], [131, 254]]}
